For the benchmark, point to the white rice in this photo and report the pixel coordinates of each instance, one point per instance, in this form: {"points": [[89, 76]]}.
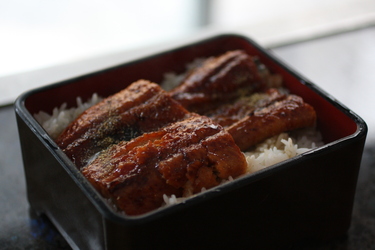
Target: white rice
{"points": [[282, 147], [61, 117]]}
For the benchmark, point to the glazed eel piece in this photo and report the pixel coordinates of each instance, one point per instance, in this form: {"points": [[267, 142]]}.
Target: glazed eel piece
{"points": [[230, 90], [220, 79], [141, 107], [183, 157], [230, 113], [284, 115], [250, 120]]}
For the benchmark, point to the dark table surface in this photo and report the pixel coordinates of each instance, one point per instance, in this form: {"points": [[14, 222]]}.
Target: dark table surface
{"points": [[342, 64]]}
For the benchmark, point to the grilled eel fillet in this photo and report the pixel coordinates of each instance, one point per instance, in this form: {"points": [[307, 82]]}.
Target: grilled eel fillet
{"points": [[229, 90], [142, 107], [250, 120], [219, 80], [229, 113], [182, 157], [281, 116]]}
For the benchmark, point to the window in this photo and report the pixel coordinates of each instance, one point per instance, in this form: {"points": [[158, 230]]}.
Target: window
{"points": [[62, 36]]}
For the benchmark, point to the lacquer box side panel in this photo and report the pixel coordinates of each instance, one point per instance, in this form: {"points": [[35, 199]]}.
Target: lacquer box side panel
{"points": [[52, 191]]}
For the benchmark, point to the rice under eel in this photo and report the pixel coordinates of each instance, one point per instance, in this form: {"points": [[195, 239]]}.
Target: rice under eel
{"points": [[141, 107], [219, 80], [183, 157]]}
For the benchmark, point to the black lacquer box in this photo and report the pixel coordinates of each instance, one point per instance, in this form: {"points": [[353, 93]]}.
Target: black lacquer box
{"points": [[307, 199]]}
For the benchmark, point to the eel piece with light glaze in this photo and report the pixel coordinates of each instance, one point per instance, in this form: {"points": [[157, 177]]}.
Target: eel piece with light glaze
{"points": [[181, 158]]}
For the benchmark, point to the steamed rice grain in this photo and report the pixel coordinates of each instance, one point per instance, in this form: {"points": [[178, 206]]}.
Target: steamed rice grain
{"points": [[61, 117]]}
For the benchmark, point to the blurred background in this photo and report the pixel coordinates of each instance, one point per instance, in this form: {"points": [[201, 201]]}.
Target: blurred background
{"points": [[70, 38]]}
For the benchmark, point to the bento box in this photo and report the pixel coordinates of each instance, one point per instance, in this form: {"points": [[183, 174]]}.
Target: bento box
{"points": [[303, 200]]}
